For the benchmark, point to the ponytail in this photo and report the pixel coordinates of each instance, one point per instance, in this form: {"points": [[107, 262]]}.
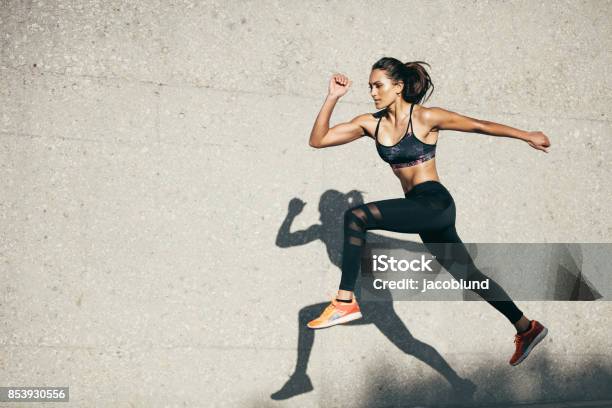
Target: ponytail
{"points": [[413, 75]]}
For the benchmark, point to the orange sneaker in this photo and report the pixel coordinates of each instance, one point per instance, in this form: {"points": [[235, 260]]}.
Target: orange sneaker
{"points": [[525, 342], [336, 313]]}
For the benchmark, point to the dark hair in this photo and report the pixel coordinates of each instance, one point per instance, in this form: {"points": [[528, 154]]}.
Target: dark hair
{"points": [[414, 76]]}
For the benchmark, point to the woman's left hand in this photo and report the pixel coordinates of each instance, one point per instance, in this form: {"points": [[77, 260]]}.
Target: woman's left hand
{"points": [[538, 140]]}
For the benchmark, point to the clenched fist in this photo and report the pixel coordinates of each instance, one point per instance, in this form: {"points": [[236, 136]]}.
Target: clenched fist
{"points": [[539, 140], [339, 85]]}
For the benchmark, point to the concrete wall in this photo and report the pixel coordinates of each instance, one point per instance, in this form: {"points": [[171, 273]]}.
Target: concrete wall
{"points": [[150, 149]]}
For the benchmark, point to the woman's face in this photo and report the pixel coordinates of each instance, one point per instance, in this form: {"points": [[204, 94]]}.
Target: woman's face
{"points": [[382, 90]]}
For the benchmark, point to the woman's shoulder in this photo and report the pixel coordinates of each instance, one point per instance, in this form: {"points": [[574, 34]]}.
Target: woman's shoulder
{"points": [[379, 114], [368, 121]]}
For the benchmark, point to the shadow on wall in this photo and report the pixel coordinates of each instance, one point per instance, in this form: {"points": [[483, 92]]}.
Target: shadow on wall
{"points": [[332, 206], [540, 381]]}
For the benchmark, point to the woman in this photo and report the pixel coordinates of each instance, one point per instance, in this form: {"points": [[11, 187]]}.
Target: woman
{"points": [[406, 134]]}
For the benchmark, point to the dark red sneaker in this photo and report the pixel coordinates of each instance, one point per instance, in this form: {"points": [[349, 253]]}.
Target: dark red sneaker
{"points": [[525, 342]]}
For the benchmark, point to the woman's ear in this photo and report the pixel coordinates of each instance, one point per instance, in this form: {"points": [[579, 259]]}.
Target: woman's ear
{"points": [[399, 85]]}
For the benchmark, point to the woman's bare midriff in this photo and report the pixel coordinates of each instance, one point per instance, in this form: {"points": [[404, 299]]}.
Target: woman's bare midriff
{"points": [[420, 173]]}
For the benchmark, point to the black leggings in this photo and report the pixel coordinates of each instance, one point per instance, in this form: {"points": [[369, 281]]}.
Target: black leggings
{"points": [[428, 210]]}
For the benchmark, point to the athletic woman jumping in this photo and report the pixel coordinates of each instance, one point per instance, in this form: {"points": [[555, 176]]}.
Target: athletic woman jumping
{"points": [[406, 135]]}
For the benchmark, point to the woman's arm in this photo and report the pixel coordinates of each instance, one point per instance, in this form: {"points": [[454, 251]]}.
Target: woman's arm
{"points": [[438, 118], [321, 134], [285, 238]]}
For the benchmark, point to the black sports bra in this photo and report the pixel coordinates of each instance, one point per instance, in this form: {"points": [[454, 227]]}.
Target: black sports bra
{"points": [[409, 151]]}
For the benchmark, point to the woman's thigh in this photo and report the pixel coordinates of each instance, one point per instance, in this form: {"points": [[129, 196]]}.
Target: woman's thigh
{"points": [[407, 215]]}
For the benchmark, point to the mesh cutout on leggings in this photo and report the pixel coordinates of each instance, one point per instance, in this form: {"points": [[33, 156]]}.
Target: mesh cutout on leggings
{"points": [[358, 216], [375, 211], [356, 241], [360, 220], [359, 213]]}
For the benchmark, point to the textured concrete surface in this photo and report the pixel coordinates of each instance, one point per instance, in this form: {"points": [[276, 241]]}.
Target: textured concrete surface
{"points": [[149, 150]]}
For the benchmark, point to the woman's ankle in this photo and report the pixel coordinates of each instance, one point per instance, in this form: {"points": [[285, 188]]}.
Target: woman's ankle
{"points": [[344, 295], [523, 324]]}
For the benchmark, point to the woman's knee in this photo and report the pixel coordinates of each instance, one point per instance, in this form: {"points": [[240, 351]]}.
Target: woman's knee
{"points": [[355, 219], [348, 216]]}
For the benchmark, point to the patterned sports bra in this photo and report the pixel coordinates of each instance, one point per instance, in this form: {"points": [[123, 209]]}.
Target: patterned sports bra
{"points": [[409, 151]]}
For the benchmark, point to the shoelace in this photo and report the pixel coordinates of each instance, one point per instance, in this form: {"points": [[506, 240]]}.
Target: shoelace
{"points": [[518, 337], [330, 308]]}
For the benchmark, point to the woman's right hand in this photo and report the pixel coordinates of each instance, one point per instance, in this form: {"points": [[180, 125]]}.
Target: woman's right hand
{"points": [[339, 85]]}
